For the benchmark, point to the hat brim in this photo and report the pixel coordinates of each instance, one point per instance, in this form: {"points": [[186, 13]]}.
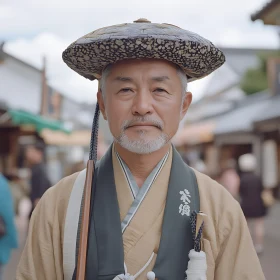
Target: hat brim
{"points": [[89, 56]]}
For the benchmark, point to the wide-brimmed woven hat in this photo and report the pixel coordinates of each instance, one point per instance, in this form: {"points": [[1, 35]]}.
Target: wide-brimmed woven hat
{"points": [[90, 54]]}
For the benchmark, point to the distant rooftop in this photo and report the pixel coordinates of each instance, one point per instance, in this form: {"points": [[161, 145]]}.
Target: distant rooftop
{"points": [[271, 111], [4, 54], [229, 75], [240, 59], [249, 110], [268, 7]]}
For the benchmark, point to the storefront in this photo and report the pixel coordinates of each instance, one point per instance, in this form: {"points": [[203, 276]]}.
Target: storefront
{"points": [[18, 129]]}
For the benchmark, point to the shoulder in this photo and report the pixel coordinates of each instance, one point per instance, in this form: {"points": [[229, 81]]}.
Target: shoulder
{"points": [[62, 190], [3, 181], [39, 169], [4, 187], [50, 212], [55, 199], [250, 176], [214, 198]]}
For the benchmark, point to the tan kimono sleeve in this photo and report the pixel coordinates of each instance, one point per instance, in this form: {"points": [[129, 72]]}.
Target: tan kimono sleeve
{"points": [[42, 257], [226, 239], [237, 258]]}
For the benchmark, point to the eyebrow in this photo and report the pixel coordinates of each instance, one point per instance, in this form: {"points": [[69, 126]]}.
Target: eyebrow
{"points": [[160, 78], [123, 79], [129, 79]]}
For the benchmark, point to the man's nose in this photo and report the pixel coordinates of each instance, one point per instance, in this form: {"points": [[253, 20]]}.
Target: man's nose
{"points": [[142, 103]]}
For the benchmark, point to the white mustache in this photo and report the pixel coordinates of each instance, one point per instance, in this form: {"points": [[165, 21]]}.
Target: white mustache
{"points": [[155, 122]]}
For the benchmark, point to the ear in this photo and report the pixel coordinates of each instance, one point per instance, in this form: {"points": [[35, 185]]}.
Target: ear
{"points": [[186, 104], [100, 101]]}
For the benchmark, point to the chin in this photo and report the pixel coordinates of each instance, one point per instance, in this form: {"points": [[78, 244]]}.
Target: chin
{"points": [[142, 145]]}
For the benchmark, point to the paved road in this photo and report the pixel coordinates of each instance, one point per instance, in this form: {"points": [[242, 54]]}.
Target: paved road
{"points": [[22, 225], [269, 260]]}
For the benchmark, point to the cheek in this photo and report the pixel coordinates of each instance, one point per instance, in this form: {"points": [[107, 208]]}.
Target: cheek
{"points": [[171, 117], [117, 112], [172, 122]]}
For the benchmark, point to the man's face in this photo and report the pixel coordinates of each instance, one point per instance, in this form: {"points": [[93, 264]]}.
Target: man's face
{"points": [[143, 103], [32, 155]]}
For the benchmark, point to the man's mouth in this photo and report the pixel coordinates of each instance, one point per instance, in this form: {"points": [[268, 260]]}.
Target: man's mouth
{"points": [[144, 125]]}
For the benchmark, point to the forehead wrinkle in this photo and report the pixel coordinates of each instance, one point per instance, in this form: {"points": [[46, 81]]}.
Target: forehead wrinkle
{"points": [[123, 79], [160, 78]]}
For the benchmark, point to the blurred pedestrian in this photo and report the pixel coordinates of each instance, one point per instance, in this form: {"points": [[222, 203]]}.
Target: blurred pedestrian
{"points": [[230, 179], [253, 206], [18, 187], [39, 178], [8, 234]]}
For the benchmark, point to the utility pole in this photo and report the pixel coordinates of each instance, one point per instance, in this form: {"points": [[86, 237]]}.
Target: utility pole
{"points": [[44, 89]]}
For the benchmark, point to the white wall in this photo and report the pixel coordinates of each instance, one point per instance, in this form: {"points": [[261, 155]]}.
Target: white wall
{"points": [[20, 85], [270, 164]]}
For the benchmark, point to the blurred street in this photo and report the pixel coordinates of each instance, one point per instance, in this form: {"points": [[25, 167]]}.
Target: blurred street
{"points": [[22, 224], [271, 255], [229, 129], [269, 259]]}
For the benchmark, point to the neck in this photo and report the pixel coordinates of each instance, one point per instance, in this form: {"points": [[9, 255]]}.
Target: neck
{"points": [[141, 165]]}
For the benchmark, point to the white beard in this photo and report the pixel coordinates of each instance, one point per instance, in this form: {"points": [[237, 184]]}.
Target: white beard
{"points": [[142, 146]]}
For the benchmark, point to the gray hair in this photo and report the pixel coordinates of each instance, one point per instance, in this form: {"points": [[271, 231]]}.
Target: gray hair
{"points": [[106, 72]]}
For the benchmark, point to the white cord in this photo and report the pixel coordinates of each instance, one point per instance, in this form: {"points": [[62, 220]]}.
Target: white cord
{"points": [[125, 269], [140, 271], [145, 266]]}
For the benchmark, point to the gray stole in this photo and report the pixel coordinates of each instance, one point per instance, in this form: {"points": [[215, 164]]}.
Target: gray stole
{"points": [[105, 256]]}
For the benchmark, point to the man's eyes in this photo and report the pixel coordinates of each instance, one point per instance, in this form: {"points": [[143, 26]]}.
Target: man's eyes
{"points": [[160, 90], [126, 90], [156, 90]]}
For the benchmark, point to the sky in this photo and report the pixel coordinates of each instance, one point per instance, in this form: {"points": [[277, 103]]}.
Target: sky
{"points": [[33, 28]]}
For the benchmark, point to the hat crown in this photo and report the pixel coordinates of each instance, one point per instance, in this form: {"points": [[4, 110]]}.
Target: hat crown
{"points": [[143, 28], [142, 20], [195, 55]]}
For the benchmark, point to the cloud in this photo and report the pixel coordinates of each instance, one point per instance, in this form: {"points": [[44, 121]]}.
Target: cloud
{"points": [[58, 74], [37, 27], [7, 12], [69, 18]]}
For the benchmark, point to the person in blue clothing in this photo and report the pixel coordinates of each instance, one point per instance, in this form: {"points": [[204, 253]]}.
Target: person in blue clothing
{"points": [[9, 240]]}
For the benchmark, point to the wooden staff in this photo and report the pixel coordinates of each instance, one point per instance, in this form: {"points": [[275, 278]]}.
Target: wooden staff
{"points": [[82, 256]]}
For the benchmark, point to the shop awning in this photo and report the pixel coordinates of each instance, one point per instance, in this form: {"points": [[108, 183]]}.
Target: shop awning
{"points": [[58, 138], [195, 134], [20, 117]]}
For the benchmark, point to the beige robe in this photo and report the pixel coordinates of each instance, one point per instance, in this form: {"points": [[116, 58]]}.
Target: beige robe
{"points": [[226, 239]]}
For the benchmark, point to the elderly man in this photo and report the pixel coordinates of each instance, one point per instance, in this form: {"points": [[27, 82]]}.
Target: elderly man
{"points": [[140, 212]]}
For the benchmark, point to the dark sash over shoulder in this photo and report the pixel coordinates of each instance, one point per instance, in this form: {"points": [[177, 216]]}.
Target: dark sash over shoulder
{"points": [[105, 256]]}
